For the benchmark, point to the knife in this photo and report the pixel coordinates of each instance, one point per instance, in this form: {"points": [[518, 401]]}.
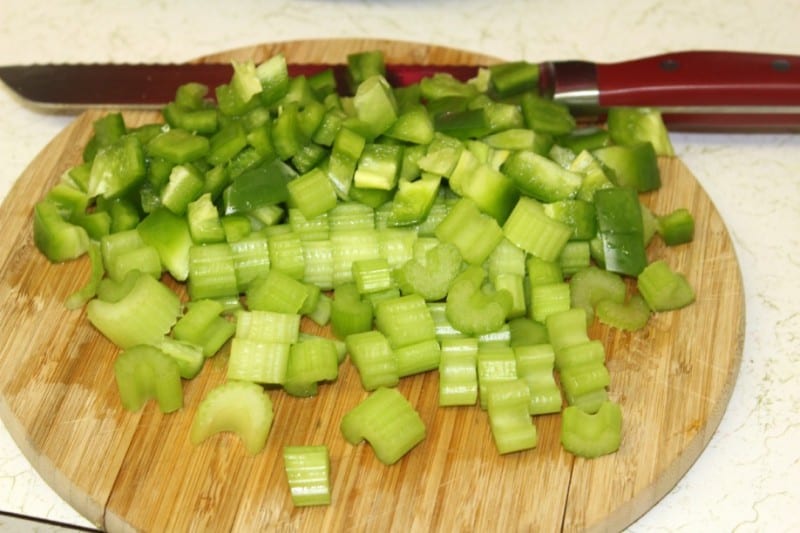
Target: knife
{"points": [[694, 90]]}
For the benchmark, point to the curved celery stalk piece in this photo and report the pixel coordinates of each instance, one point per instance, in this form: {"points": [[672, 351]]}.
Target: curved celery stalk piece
{"points": [[89, 289], [663, 288], [235, 406], [143, 372], [630, 316], [471, 310], [430, 279], [374, 359], [387, 421], [590, 285], [509, 418], [142, 316], [592, 435]]}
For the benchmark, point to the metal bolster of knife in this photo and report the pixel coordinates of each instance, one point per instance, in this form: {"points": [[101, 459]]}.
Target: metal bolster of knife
{"points": [[573, 83]]}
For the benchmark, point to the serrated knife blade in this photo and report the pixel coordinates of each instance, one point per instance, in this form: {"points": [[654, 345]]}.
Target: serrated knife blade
{"points": [[695, 90]]}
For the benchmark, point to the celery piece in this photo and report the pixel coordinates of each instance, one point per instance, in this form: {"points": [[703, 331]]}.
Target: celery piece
{"points": [[89, 289], [591, 285], [258, 361], [496, 363], [511, 424], [143, 315], [540, 177], [312, 193], [676, 227], [239, 407], [268, 326], [203, 325], [318, 259], [277, 292], [632, 315], [286, 254], [308, 472], [125, 251], [444, 330], [349, 313], [189, 356], [349, 246], [372, 275], [418, 357], [566, 328], [375, 105], [547, 299], [314, 228], [592, 435], [351, 216], [541, 272], [506, 258], [634, 166], [650, 223], [250, 259], [577, 380], [374, 359], [56, 238], [575, 256], [430, 279], [212, 272], [588, 352], [663, 288], [311, 360], [387, 421], [169, 234], [143, 372], [535, 364], [458, 373], [631, 125], [514, 285], [589, 402], [396, 245], [117, 168], [475, 234], [472, 310], [532, 230], [321, 314]]}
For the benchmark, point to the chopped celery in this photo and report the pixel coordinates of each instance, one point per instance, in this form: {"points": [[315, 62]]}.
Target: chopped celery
{"points": [[374, 359], [663, 288], [592, 435], [387, 421], [235, 406], [308, 471], [458, 373], [630, 316], [509, 418], [471, 309], [143, 315], [143, 372]]}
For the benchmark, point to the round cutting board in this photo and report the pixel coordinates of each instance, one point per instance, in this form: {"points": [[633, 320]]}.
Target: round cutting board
{"points": [[138, 471]]}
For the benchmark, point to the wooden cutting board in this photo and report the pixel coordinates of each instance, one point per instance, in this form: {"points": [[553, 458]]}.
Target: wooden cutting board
{"points": [[138, 471]]}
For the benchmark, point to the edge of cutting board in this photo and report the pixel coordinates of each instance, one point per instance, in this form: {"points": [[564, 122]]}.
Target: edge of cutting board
{"points": [[128, 471]]}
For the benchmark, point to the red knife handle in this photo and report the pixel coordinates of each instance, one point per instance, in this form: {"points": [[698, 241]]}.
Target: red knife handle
{"points": [[690, 79]]}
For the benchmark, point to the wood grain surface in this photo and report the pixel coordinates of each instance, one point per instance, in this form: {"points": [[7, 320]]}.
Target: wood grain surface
{"points": [[138, 471]]}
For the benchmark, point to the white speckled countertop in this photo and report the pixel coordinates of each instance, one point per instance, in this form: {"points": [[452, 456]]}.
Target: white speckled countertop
{"points": [[748, 478]]}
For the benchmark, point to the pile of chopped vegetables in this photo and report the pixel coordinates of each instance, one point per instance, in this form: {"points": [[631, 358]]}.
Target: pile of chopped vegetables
{"points": [[470, 228]]}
